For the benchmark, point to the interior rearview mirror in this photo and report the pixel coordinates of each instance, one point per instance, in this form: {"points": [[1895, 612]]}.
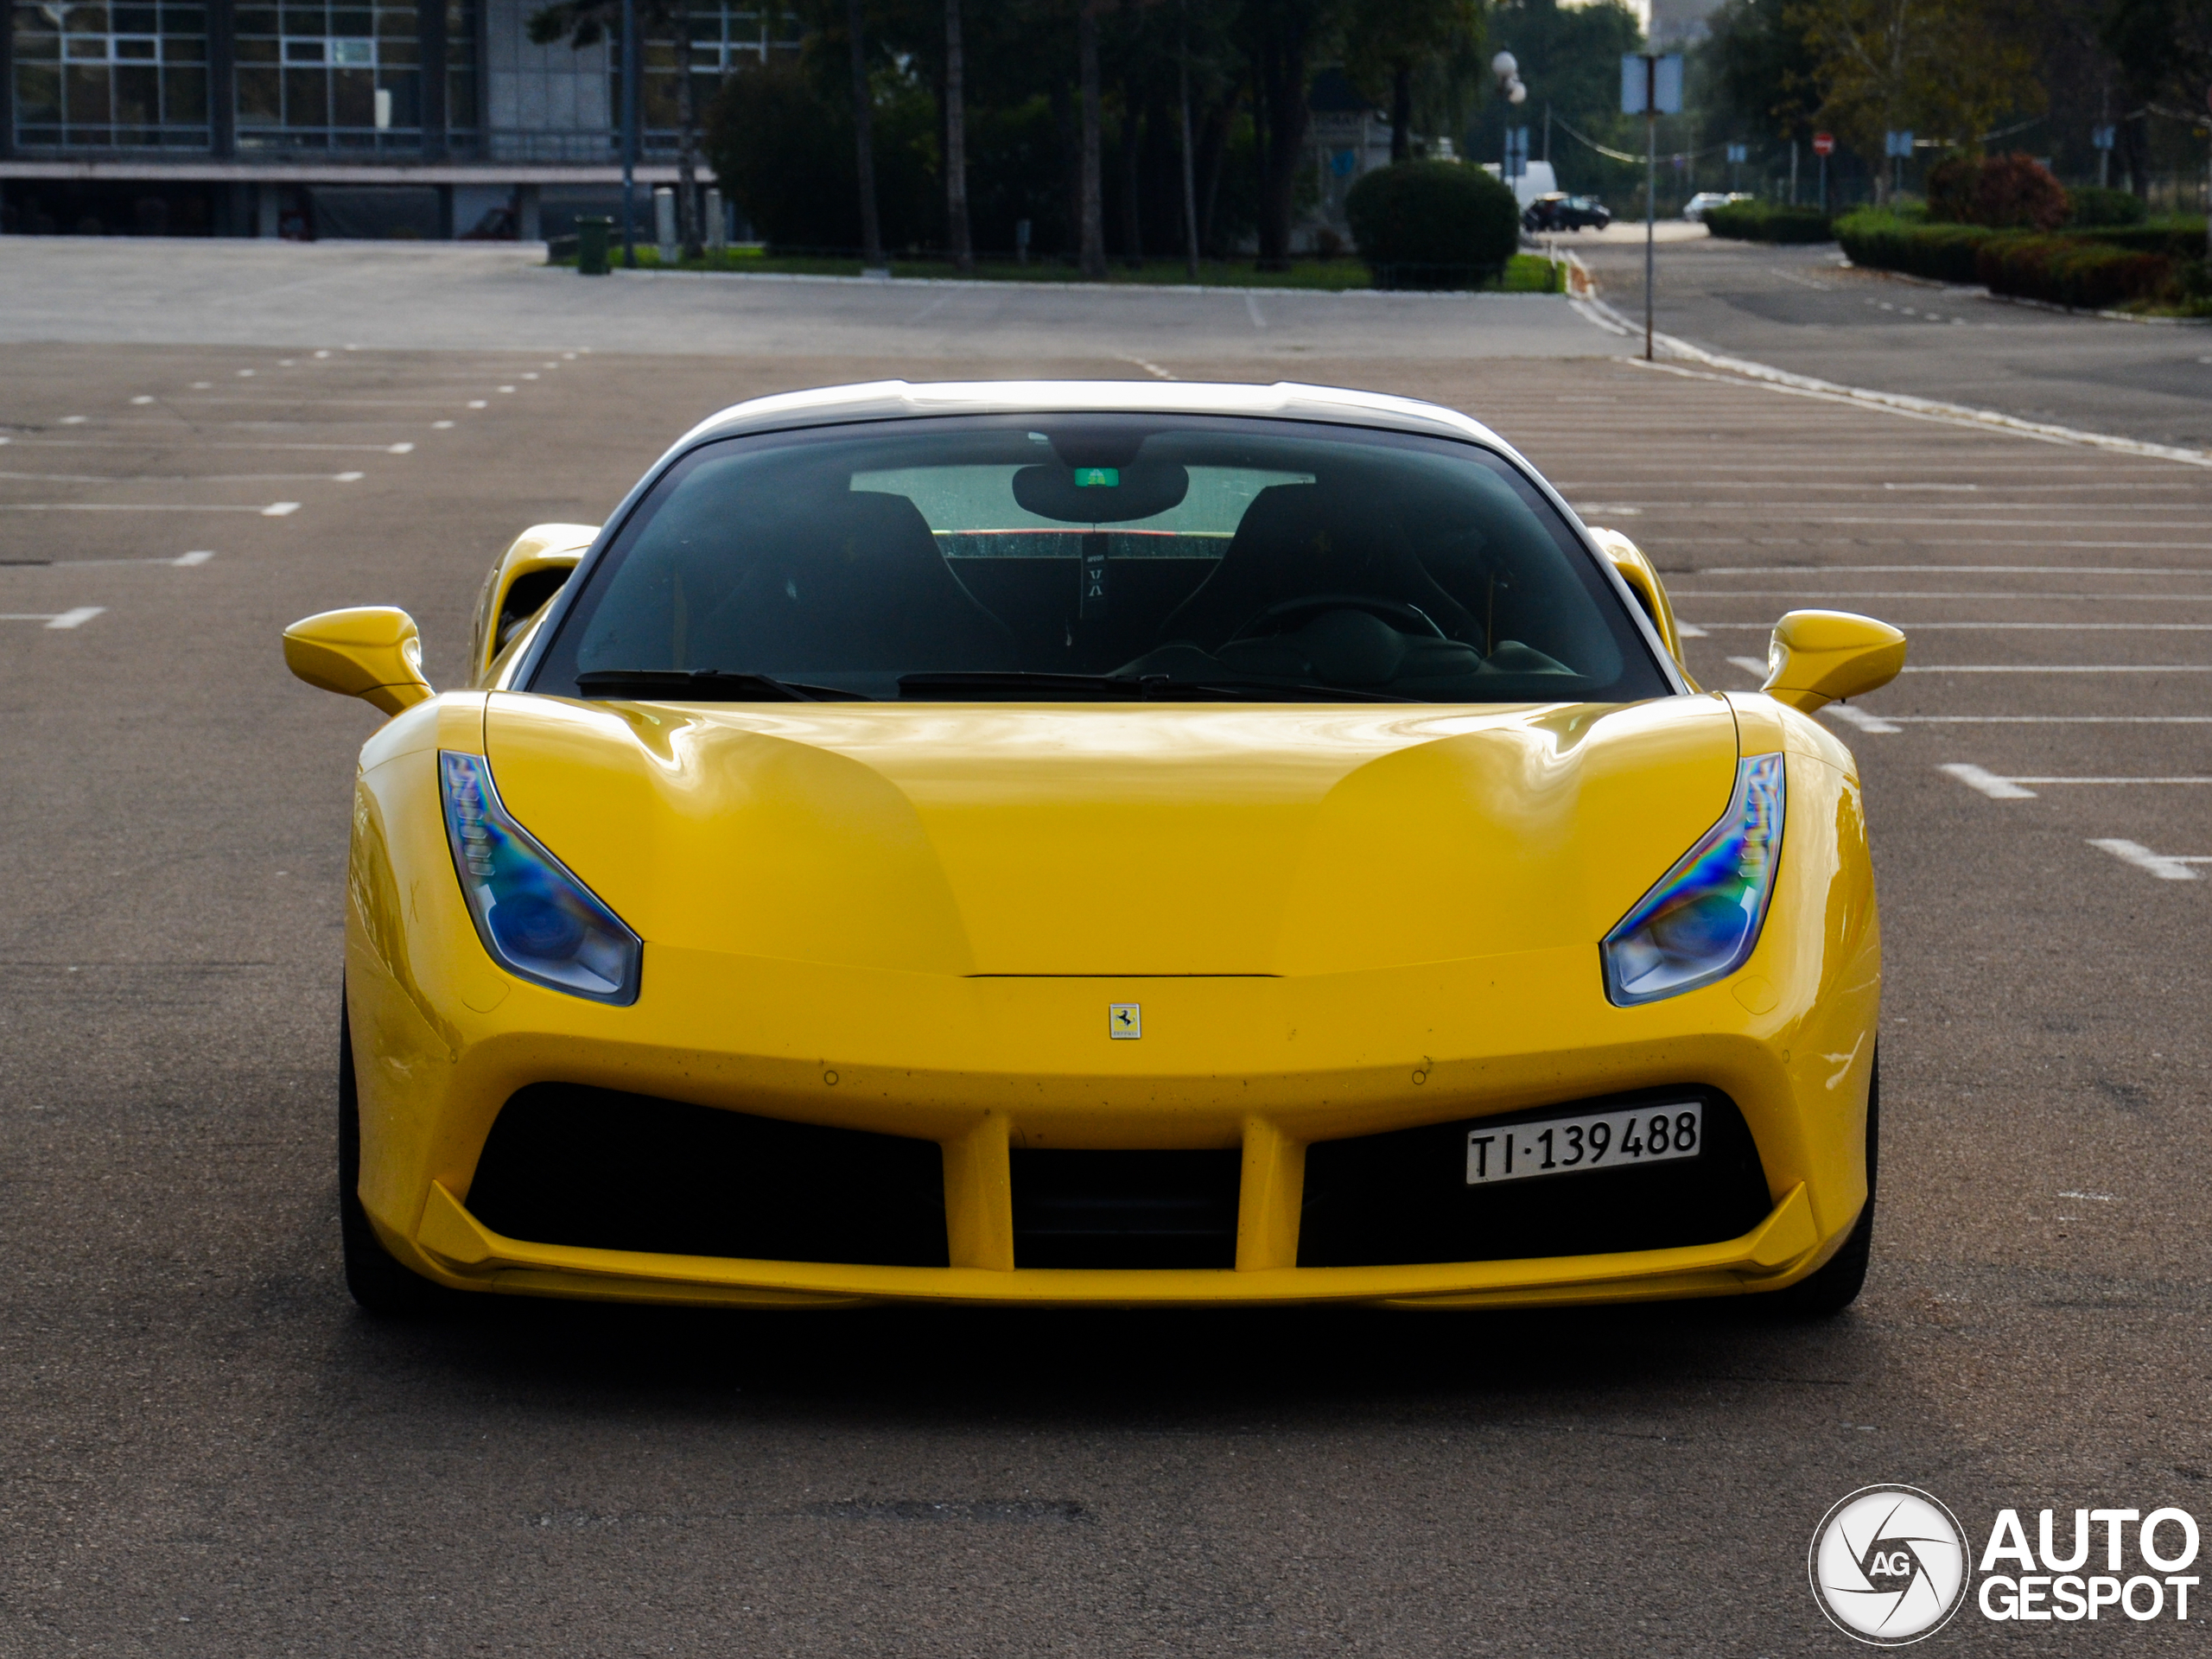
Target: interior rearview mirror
{"points": [[1816, 657], [371, 651]]}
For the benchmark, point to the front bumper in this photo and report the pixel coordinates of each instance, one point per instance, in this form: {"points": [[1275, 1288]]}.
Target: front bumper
{"points": [[468, 1252], [1260, 1066]]}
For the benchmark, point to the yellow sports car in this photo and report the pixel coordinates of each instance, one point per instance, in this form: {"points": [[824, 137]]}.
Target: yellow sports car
{"points": [[1100, 843]]}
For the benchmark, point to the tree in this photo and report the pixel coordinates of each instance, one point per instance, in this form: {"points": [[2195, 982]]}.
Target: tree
{"points": [[584, 23], [1090, 203], [2164, 47], [1283, 36], [1760, 71], [1387, 41], [864, 142], [1949, 69], [955, 143]]}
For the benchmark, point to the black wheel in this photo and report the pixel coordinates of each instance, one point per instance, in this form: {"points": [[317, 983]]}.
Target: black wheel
{"points": [[379, 1284], [1835, 1285]]}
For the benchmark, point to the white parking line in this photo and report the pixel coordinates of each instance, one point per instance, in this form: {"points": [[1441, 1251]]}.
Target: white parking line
{"points": [[1999, 788], [2167, 867], [1860, 718], [189, 478], [181, 562], [1754, 665], [1984, 595], [158, 443], [273, 510], [75, 619], [1960, 569], [2038, 720], [2056, 627]]}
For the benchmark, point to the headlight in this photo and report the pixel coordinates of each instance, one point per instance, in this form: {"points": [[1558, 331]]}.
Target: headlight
{"points": [[537, 920], [1702, 921]]}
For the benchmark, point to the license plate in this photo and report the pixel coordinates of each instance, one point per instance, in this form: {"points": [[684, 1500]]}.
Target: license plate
{"points": [[1563, 1145]]}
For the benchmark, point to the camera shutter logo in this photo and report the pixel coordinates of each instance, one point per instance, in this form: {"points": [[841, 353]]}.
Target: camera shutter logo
{"points": [[1889, 1564]]}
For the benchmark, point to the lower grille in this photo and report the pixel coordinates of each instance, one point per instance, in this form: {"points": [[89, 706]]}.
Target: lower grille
{"points": [[1125, 1208], [597, 1168], [1393, 1200]]}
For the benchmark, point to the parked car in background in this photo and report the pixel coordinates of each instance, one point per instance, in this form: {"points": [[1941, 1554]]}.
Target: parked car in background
{"points": [[1558, 211], [1694, 209]]}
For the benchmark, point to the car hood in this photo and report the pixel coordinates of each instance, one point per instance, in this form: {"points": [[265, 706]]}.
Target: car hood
{"points": [[1115, 840]]}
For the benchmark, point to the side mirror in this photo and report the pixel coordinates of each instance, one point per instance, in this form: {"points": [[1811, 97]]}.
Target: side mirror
{"points": [[523, 580], [371, 651], [1642, 579], [1816, 657]]}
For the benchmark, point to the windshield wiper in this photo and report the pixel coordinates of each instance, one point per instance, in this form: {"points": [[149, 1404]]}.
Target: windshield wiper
{"points": [[704, 685], [1133, 688]]}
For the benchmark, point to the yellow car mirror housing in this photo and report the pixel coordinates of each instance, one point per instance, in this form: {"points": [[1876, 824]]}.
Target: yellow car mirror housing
{"points": [[1816, 657], [371, 651], [1642, 579]]}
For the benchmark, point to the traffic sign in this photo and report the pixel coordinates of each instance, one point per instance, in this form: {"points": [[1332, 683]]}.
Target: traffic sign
{"points": [[1738, 154], [2101, 137], [1651, 84], [1824, 143]]}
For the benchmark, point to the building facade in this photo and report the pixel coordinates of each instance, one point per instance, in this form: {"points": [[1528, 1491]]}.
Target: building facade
{"points": [[424, 118]]}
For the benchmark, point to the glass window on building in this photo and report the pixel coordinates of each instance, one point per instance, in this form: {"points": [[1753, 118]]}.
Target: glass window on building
{"points": [[462, 115], [726, 37], [110, 76], [346, 74]]}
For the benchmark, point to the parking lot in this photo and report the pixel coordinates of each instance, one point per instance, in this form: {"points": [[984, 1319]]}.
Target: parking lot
{"points": [[209, 1450]]}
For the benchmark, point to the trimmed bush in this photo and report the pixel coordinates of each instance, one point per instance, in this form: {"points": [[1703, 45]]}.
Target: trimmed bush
{"points": [[2097, 208], [2012, 192], [1434, 225], [1766, 221], [1943, 253], [2176, 238], [2067, 270]]}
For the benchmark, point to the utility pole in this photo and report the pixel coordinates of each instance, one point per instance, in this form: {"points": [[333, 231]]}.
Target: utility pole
{"points": [[1650, 195], [629, 134], [1650, 82]]}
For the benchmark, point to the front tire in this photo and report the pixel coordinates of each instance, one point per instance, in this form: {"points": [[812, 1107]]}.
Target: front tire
{"points": [[377, 1282], [1833, 1286]]}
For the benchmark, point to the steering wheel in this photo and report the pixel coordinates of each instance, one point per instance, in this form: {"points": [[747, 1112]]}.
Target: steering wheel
{"points": [[1287, 614]]}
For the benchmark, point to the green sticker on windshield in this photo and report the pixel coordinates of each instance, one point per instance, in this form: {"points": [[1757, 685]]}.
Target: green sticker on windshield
{"points": [[1086, 477]]}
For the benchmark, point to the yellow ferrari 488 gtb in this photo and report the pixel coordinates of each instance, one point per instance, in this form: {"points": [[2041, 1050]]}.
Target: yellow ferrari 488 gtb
{"points": [[1100, 843]]}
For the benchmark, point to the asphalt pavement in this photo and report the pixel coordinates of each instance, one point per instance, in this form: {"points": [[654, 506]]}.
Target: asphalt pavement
{"points": [[1806, 310], [204, 1448]]}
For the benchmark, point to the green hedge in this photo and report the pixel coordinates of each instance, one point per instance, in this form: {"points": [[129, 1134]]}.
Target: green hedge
{"points": [[2094, 206], [2176, 238], [1766, 221], [1943, 253], [2088, 270], [2071, 271]]}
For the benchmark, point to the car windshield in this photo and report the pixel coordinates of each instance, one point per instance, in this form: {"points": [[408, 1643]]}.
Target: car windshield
{"points": [[1074, 557]]}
